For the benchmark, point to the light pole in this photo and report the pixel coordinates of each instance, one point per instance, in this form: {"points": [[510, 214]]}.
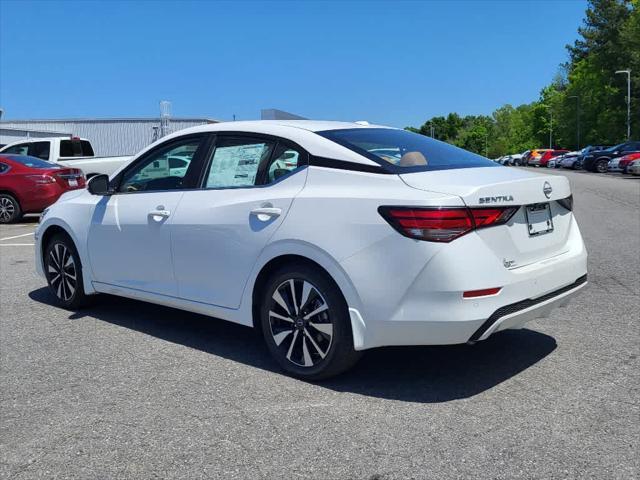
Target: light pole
{"points": [[577, 120], [628, 72], [486, 144]]}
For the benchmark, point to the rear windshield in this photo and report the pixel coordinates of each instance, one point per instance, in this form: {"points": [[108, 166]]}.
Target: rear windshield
{"points": [[75, 148], [32, 162], [401, 151]]}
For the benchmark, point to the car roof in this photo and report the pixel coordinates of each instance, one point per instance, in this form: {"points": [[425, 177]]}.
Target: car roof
{"points": [[262, 126], [302, 132]]}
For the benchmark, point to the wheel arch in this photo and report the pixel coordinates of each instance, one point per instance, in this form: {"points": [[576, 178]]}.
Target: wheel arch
{"points": [[55, 226], [5, 191], [319, 260], [50, 232]]}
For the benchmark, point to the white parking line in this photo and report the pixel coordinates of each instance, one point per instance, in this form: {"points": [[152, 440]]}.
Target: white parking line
{"points": [[16, 236], [16, 244]]}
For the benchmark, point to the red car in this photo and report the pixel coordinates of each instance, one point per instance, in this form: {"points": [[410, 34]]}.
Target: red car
{"points": [[29, 185], [549, 154], [627, 160]]}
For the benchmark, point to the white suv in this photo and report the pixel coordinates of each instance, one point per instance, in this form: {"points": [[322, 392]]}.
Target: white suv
{"points": [[332, 238]]}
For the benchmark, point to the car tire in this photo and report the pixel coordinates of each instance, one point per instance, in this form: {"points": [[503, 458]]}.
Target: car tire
{"points": [[307, 345], [64, 272], [9, 209], [577, 165], [601, 166]]}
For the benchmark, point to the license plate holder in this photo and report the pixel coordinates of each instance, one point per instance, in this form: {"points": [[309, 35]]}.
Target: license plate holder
{"points": [[73, 182], [539, 221]]}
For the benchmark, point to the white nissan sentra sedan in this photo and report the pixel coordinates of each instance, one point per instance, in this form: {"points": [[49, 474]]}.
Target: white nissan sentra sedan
{"points": [[331, 238]]}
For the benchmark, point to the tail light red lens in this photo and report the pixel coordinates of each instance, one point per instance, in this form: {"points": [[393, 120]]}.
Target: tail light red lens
{"points": [[42, 179], [443, 224]]}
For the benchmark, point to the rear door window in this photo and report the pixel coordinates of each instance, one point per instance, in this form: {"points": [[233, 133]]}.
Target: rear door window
{"points": [[76, 148], [40, 150], [236, 160]]}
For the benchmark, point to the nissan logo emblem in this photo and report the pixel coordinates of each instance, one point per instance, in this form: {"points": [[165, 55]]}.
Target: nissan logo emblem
{"points": [[547, 189]]}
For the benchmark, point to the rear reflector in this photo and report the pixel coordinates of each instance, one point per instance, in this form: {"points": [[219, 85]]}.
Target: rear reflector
{"points": [[443, 224], [481, 293]]}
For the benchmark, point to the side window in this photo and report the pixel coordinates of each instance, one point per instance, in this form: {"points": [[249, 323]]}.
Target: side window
{"points": [[75, 148], [285, 159], [39, 150], [235, 162], [164, 169], [21, 149]]}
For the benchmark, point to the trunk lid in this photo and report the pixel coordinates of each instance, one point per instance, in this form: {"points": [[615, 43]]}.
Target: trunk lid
{"points": [[503, 187], [69, 178]]}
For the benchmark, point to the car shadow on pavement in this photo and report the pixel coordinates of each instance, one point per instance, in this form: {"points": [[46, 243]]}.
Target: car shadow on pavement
{"points": [[428, 374]]}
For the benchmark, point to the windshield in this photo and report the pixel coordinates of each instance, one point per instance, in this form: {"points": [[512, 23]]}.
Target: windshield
{"points": [[32, 162], [401, 151]]}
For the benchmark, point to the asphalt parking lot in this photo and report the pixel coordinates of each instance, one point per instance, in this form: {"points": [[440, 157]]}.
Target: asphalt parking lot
{"points": [[130, 390]]}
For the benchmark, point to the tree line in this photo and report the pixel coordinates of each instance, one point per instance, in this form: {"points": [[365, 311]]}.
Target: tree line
{"points": [[585, 104]]}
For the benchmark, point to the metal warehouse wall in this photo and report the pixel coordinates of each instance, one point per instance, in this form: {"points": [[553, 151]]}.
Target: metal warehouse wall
{"points": [[119, 136], [10, 135]]}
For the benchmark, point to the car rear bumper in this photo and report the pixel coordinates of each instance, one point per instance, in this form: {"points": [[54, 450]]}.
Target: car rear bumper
{"points": [[41, 197], [432, 310]]}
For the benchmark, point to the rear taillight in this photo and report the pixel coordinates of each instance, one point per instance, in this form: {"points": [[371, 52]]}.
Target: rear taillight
{"points": [[443, 224], [42, 179]]}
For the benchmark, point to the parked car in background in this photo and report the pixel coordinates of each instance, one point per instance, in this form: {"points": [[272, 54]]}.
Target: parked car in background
{"points": [[571, 160], [514, 159], [296, 227], [72, 152], [535, 156], [613, 165], [547, 155], [634, 167], [29, 185], [625, 161], [598, 161]]}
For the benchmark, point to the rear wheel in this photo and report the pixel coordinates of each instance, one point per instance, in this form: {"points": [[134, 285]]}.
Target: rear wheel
{"points": [[306, 325], [64, 272], [9, 209]]}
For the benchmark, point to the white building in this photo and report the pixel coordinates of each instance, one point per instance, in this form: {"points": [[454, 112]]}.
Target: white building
{"points": [[109, 136]]}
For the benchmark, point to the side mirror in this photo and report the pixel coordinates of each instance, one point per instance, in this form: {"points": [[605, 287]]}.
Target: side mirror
{"points": [[99, 185]]}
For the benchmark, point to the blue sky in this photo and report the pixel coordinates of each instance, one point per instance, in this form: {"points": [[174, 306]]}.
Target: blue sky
{"points": [[396, 63]]}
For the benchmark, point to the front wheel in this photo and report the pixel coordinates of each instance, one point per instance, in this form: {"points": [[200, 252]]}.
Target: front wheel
{"points": [[306, 325], [64, 272]]}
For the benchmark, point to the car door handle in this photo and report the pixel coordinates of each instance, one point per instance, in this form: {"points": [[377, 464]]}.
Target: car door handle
{"points": [[265, 213], [159, 213]]}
